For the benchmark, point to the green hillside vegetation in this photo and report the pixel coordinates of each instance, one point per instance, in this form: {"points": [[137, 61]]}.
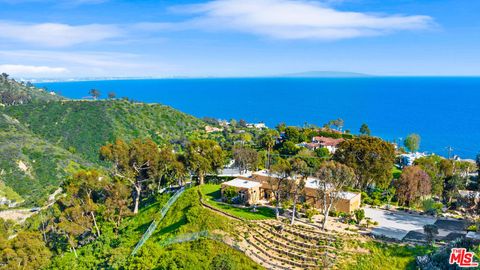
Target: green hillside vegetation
{"points": [[8, 193], [13, 92], [84, 126], [186, 216], [31, 166]]}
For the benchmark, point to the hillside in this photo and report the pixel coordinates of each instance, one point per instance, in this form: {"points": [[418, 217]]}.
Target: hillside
{"points": [[84, 126], [31, 166], [168, 248], [13, 92], [325, 74]]}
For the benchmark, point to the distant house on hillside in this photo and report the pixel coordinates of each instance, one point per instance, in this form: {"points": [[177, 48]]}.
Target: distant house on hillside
{"points": [[409, 158], [323, 142], [257, 125], [210, 129], [223, 123]]}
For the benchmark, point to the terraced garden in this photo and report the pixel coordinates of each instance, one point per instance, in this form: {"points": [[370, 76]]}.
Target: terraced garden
{"points": [[282, 246]]}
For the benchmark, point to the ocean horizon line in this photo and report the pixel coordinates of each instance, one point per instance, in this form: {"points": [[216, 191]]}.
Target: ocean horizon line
{"points": [[94, 79]]}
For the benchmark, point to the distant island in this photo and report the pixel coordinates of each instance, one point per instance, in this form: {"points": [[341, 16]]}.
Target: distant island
{"points": [[325, 74]]}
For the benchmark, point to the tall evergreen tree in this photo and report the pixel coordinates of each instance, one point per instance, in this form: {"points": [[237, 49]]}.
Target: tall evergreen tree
{"points": [[203, 157], [136, 162]]}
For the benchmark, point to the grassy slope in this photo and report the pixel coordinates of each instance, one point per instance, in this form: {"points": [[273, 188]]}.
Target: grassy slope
{"points": [[84, 126], [46, 164], [186, 216], [378, 255]]}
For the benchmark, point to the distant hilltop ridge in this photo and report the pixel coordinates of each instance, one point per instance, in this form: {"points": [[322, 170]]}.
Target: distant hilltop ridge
{"points": [[325, 74], [307, 74]]}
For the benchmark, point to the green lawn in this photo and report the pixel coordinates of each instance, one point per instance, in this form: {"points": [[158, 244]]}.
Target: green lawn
{"points": [[211, 193]]}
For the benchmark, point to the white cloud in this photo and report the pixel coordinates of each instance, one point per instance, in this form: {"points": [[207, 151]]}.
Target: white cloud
{"points": [[25, 70], [87, 63], [63, 2], [296, 19], [56, 34]]}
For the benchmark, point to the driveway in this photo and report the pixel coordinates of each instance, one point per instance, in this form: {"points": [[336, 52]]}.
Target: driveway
{"points": [[403, 226], [396, 224]]}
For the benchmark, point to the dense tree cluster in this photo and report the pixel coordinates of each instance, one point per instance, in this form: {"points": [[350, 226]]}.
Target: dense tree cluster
{"points": [[26, 250], [371, 158]]}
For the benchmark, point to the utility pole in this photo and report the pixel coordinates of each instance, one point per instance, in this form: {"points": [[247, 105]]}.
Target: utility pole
{"points": [[450, 150]]}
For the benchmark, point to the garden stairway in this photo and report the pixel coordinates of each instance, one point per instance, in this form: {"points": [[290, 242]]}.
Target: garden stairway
{"points": [[281, 246]]}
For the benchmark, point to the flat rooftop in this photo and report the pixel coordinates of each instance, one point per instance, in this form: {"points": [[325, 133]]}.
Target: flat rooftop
{"points": [[242, 183], [312, 183], [348, 195]]}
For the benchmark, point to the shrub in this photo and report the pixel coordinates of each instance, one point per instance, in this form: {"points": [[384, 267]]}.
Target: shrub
{"points": [[322, 152], [229, 193], [287, 204], [472, 228], [359, 215], [334, 213], [431, 207], [310, 213], [222, 262]]}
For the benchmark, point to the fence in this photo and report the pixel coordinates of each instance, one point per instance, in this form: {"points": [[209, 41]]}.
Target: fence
{"points": [[155, 222]]}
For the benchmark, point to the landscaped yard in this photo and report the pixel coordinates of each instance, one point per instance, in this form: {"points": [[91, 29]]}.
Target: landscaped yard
{"points": [[211, 193]]}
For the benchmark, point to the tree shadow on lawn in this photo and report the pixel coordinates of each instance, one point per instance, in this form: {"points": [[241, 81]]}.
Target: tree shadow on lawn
{"points": [[143, 228], [170, 228], [214, 195]]}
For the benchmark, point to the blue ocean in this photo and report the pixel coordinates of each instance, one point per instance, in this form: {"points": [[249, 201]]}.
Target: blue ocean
{"points": [[444, 111]]}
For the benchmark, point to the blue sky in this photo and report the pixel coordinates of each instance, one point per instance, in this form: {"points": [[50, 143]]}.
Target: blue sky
{"points": [[101, 38]]}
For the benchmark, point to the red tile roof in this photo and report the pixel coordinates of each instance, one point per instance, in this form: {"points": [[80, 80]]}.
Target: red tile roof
{"points": [[326, 141]]}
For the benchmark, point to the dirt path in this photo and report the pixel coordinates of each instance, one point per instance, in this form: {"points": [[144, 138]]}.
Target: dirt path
{"points": [[20, 215], [17, 215]]}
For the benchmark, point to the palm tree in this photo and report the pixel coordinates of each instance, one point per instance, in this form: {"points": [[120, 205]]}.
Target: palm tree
{"points": [[268, 140], [94, 93]]}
